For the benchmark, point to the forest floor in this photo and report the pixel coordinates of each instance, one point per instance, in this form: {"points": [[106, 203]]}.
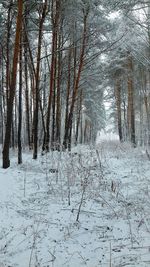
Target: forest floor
{"points": [[90, 207]]}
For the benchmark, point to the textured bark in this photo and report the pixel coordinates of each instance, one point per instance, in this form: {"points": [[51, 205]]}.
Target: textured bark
{"points": [[30, 99], [118, 105], [9, 24], [85, 131], [67, 97], [2, 110], [6, 160], [145, 82], [26, 44], [27, 100], [79, 109], [146, 102], [53, 110], [42, 116], [58, 98], [131, 115], [20, 106], [37, 80]]}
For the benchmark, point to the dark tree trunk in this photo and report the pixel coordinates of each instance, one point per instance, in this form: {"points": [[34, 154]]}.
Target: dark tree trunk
{"points": [[6, 160], [20, 106], [26, 79], [9, 24], [53, 113], [37, 74], [79, 107], [118, 105], [131, 115], [1, 96], [67, 97], [58, 98]]}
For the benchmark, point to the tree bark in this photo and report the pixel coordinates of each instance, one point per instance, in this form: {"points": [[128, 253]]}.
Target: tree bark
{"points": [[20, 106], [79, 107], [9, 23], [118, 105], [6, 160], [131, 115], [67, 97], [37, 73], [26, 45], [58, 98]]}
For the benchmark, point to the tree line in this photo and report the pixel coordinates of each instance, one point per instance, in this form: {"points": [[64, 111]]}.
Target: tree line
{"points": [[60, 60]]}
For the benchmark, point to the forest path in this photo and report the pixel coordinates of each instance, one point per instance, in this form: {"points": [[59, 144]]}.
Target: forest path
{"points": [[39, 228]]}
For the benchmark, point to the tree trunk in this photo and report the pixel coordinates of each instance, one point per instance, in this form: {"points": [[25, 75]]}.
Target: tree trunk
{"points": [[67, 97], [20, 106], [58, 98], [118, 105], [26, 80], [37, 80], [9, 23], [6, 160], [131, 116], [79, 107], [53, 111], [1, 96]]}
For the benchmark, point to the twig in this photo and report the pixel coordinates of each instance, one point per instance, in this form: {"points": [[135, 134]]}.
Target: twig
{"points": [[110, 256], [81, 202]]}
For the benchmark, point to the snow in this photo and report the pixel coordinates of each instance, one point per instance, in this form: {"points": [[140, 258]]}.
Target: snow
{"points": [[106, 135], [40, 201]]}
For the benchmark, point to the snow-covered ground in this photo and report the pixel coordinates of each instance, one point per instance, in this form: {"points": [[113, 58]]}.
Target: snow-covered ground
{"points": [[90, 207]]}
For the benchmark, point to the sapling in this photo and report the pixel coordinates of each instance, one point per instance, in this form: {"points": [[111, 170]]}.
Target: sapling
{"points": [[69, 192], [110, 264], [24, 183], [84, 186], [35, 235]]}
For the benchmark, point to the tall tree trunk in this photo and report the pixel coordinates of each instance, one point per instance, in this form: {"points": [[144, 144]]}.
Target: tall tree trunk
{"points": [[58, 98], [20, 106], [67, 97], [6, 160], [1, 95], [37, 80], [79, 110], [149, 70], [53, 111], [9, 23], [141, 118], [145, 93], [146, 102], [26, 79], [131, 115], [118, 105]]}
